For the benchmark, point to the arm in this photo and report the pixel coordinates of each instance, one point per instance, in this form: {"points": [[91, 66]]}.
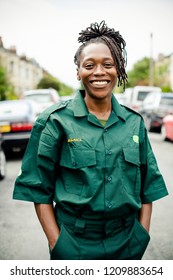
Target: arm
{"points": [[145, 215], [48, 222]]}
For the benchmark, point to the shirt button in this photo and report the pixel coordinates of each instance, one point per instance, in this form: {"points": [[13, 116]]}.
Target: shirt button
{"points": [[109, 152], [109, 178], [74, 163], [105, 130], [109, 205]]}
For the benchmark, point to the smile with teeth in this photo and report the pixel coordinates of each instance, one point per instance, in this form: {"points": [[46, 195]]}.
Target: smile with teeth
{"points": [[100, 82]]}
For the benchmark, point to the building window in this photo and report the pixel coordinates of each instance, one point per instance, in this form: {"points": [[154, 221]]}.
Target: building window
{"points": [[11, 67], [27, 73]]}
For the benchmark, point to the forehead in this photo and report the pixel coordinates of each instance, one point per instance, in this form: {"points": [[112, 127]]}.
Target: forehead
{"points": [[94, 51]]}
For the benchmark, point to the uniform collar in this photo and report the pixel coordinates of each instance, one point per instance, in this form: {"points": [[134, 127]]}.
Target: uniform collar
{"points": [[79, 106], [80, 109], [118, 109]]}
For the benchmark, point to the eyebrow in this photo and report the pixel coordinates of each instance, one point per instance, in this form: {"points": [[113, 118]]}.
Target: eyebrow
{"points": [[93, 58]]}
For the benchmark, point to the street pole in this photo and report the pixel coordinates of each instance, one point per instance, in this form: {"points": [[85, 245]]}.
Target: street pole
{"points": [[151, 61]]}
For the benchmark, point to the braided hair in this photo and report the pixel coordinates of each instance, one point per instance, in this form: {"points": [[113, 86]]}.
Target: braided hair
{"points": [[101, 33]]}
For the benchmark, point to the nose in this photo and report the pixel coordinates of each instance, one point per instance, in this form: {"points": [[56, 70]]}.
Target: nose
{"points": [[99, 70]]}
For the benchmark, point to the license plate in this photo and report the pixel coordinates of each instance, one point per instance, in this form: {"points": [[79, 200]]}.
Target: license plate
{"points": [[5, 128]]}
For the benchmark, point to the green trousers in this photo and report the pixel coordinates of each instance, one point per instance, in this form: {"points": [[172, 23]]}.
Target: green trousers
{"points": [[83, 239]]}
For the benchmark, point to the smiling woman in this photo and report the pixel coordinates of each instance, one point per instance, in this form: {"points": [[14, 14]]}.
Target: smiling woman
{"points": [[89, 167], [113, 40]]}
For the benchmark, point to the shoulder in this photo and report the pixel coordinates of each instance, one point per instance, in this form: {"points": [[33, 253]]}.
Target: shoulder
{"points": [[45, 115], [132, 112]]}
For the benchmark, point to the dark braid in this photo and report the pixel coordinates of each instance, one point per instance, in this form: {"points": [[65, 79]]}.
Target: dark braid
{"points": [[101, 33]]}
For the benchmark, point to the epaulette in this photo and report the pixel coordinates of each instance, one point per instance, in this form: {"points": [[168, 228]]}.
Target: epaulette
{"points": [[131, 110], [44, 116]]}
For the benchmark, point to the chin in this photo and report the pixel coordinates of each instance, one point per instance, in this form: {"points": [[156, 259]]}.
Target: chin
{"points": [[99, 93]]}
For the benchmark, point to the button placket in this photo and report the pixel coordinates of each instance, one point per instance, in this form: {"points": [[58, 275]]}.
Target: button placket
{"points": [[108, 176]]}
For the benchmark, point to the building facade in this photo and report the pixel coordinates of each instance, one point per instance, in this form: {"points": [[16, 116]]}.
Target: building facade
{"points": [[23, 73], [164, 71]]}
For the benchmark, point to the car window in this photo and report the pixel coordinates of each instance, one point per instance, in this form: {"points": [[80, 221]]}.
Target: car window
{"points": [[150, 99], [43, 98], [166, 100], [142, 95]]}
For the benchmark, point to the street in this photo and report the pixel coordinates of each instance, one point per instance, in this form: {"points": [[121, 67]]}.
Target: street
{"points": [[22, 238]]}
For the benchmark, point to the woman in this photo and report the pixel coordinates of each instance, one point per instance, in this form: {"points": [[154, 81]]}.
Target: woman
{"points": [[89, 167]]}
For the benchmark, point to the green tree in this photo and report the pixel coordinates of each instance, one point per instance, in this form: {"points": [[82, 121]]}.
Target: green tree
{"points": [[139, 75], [65, 90], [161, 74], [6, 89], [49, 82]]}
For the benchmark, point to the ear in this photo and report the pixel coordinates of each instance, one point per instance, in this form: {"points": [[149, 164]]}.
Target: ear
{"points": [[78, 76]]}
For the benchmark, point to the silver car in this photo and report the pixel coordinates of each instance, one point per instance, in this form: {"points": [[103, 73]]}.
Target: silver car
{"points": [[43, 97], [16, 121], [2, 160]]}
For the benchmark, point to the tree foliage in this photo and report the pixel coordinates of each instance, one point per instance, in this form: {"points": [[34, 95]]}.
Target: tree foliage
{"points": [[161, 74], [65, 90], [6, 89], [139, 75], [51, 82]]}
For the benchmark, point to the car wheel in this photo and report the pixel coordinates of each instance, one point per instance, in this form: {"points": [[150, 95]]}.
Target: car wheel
{"points": [[163, 133], [2, 165]]}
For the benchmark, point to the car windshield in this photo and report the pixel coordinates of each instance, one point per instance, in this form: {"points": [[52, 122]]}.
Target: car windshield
{"points": [[142, 95], [39, 98], [166, 100]]}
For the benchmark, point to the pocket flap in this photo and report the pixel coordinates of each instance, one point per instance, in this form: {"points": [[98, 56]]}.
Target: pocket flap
{"points": [[78, 158], [131, 155]]}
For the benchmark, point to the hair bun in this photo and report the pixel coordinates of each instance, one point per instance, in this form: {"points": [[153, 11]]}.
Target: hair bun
{"points": [[93, 31], [99, 30]]}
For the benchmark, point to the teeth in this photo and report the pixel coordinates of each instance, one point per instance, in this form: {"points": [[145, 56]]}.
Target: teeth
{"points": [[100, 82]]}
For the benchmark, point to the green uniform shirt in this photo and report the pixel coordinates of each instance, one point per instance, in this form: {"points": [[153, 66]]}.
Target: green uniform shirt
{"points": [[87, 168]]}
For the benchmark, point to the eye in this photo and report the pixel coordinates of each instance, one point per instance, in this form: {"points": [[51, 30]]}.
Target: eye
{"points": [[89, 65], [109, 65]]}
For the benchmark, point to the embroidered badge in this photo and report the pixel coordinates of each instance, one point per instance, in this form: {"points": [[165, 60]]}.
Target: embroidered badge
{"points": [[74, 140], [136, 138]]}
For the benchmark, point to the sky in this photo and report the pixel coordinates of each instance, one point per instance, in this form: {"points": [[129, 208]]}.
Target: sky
{"points": [[47, 30]]}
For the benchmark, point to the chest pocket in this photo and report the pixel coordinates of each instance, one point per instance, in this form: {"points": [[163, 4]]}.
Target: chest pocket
{"points": [[77, 172], [131, 171], [77, 158]]}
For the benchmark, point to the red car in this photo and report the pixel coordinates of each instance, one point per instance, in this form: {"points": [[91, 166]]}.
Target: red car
{"points": [[167, 127]]}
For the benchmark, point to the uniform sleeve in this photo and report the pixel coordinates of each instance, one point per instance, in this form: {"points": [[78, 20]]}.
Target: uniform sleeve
{"points": [[152, 183], [36, 181]]}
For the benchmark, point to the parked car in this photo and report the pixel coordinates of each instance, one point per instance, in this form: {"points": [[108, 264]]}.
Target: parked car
{"points": [[2, 160], [43, 97], [154, 108], [136, 95], [121, 98], [16, 121], [167, 128]]}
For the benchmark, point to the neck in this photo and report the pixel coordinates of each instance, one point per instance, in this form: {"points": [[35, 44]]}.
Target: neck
{"points": [[100, 108]]}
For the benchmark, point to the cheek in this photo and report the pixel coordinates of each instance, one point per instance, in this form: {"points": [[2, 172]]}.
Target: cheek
{"points": [[83, 74]]}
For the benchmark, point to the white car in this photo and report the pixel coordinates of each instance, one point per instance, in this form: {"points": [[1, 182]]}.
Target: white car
{"points": [[2, 160], [136, 95], [43, 97]]}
